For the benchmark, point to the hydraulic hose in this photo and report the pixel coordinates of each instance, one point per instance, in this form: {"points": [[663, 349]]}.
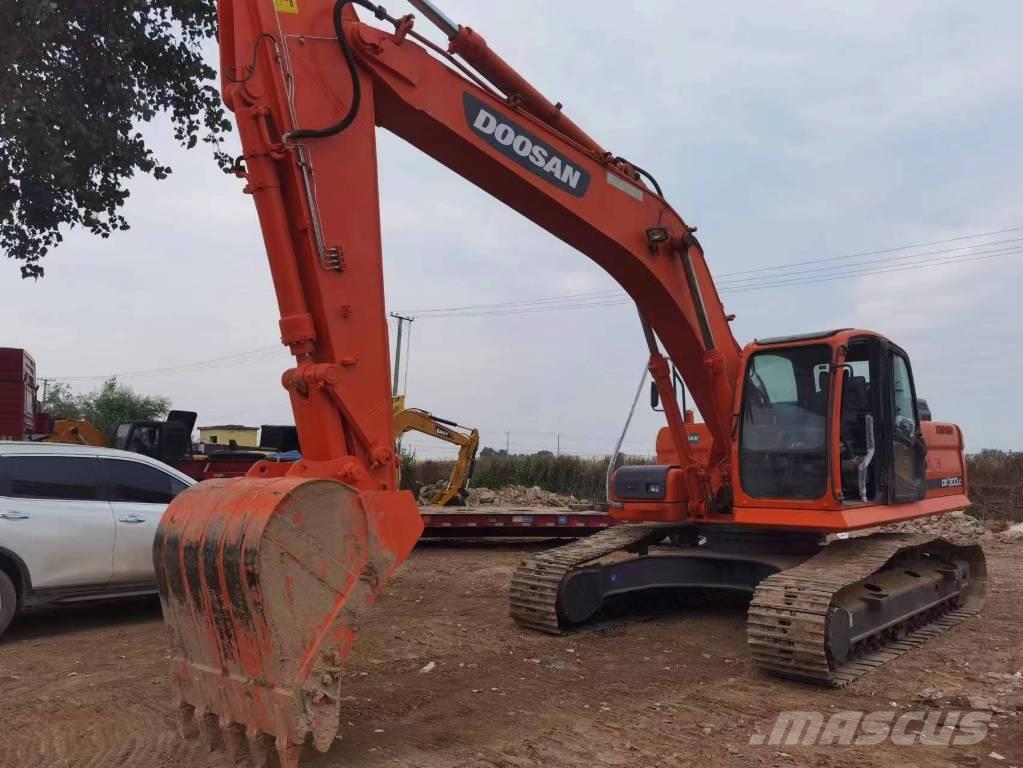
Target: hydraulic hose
{"points": [[641, 172], [346, 50]]}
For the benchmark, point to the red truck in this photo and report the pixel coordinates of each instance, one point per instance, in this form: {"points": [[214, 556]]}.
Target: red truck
{"points": [[17, 394]]}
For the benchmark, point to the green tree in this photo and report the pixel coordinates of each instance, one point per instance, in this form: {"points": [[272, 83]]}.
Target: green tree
{"points": [[111, 404], [61, 403], [77, 79]]}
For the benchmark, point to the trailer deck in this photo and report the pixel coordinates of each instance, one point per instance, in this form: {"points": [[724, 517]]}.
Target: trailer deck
{"points": [[512, 521]]}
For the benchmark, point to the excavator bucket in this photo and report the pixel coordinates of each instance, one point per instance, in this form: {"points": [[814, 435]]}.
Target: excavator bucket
{"points": [[263, 584]]}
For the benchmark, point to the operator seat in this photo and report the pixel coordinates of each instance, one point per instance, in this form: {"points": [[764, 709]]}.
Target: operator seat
{"points": [[823, 390], [855, 408]]}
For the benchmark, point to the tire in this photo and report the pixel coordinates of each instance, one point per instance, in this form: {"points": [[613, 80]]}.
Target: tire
{"points": [[8, 601]]}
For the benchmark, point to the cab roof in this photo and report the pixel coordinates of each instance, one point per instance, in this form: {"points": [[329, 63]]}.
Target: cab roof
{"points": [[801, 337]]}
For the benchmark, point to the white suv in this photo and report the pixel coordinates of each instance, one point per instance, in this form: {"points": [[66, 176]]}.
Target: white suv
{"points": [[77, 523]]}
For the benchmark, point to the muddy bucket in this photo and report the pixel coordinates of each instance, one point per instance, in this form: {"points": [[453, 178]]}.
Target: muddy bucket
{"points": [[263, 584]]}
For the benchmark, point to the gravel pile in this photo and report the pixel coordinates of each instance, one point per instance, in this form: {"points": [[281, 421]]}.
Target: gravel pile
{"points": [[951, 525], [510, 496], [518, 495]]}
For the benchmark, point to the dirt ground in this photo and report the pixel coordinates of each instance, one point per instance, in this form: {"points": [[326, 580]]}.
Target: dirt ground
{"points": [[670, 686]]}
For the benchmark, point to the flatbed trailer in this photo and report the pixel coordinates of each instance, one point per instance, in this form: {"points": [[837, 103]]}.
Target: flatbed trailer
{"points": [[512, 521], [490, 521]]}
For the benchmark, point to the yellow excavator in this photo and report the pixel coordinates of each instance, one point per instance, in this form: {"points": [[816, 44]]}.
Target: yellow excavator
{"points": [[76, 432], [468, 442]]}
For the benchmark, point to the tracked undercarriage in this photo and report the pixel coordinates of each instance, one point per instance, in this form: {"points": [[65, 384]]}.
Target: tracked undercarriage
{"points": [[820, 614]]}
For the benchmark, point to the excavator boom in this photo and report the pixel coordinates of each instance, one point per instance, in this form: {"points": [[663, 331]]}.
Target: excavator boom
{"points": [[264, 579]]}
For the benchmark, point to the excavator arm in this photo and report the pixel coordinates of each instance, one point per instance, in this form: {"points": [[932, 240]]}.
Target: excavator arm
{"points": [[264, 580], [468, 442]]}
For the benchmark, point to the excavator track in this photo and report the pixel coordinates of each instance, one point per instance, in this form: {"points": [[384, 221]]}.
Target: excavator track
{"points": [[788, 630], [537, 581], [797, 616]]}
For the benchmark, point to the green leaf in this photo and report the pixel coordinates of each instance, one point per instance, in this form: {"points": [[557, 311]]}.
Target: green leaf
{"points": [[76, 81]]}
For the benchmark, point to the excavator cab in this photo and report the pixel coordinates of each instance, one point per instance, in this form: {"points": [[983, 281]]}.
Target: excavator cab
{"points": [[830, 417]]}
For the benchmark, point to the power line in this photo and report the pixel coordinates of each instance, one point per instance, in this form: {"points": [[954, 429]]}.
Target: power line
{"points": [[747, 284], [763, 280], [617, 297], [874, 253], [544, 300], [909, 268], [888, 260], [251, 355], [531, 310]]}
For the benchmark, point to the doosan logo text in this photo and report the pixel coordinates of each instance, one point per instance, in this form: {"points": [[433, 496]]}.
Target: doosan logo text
{"points": [[528, 151], [523, 146]]}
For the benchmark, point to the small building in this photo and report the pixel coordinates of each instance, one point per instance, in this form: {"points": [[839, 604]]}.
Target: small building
{"points": [[223, 434]]}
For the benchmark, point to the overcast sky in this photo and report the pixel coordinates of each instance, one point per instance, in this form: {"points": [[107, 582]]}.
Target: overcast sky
{"points": [[785, 131]]}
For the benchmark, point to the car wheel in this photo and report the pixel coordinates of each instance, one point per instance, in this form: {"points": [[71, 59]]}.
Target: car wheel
{"points": [[8, 601]]}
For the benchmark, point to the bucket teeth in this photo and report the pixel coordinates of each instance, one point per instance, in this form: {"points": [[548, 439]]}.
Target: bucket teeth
{"points": [[234, 735], [208, 730], [263, 582], [289, 755], [186, 721], [259, 748]]}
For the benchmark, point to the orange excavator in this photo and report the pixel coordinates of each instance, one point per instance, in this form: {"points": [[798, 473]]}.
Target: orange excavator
{"points": [[264, 580]]}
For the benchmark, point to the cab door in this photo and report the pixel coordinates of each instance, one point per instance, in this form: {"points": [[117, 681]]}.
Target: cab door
{"points": [[908, 450]]}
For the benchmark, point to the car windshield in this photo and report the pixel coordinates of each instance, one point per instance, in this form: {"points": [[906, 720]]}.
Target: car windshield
{"points": [[783, 451]]}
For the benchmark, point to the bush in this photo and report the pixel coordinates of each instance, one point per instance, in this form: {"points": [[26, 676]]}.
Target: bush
{"points": [[571, 475], [996, 484], [993, 467]]}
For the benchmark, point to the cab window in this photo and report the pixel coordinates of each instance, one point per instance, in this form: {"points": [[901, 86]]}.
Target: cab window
{"points": [[907, 473], [905, 412], [783, 445]]}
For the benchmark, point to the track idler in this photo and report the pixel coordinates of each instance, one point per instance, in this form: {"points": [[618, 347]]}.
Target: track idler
{"points": [[263, 584]]}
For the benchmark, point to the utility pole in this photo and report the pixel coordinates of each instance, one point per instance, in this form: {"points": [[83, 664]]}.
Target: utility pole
{"points": [[507, 442], [402, 319], [559, 444], [46, 386]]}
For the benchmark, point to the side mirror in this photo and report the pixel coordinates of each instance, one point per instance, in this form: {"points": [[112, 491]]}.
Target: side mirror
{"points": [[655, 396]]}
